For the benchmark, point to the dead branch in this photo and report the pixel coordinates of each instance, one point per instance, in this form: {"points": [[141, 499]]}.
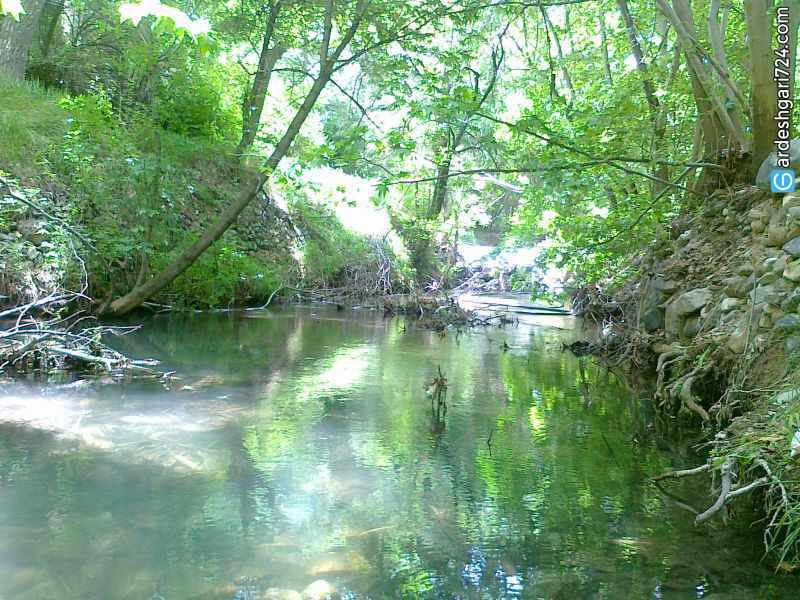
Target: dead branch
{"points": [[683, 473]]}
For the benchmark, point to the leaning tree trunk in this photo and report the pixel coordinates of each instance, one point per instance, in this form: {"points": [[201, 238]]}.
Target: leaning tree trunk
{"points": [[253, 104], [764, 96], [16, 38], [249, 191], [252, 187]]}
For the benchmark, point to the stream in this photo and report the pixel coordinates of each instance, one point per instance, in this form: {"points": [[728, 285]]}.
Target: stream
{"points": [[295, 457]]}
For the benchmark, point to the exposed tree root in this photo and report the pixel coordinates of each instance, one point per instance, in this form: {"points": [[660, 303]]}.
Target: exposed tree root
{"points": [[683, 473]]}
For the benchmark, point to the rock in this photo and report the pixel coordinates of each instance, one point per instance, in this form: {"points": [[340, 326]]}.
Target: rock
{"points": [[758, 227], [653, 319], [738, 339], [792, 301], [793, 212], [728, 304], [768, 278], [792, 247], [765, 293], [792, 344], [792, 271], [776, 234], [32, 230], [745, 269], [790, 200], [683, 306], [691, 327], [684, 238], [789, 322], [779, 263], [783, 287], [739, 287], [664, 285]]}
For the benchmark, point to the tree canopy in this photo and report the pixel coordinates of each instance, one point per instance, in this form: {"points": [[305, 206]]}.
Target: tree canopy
{"points": [[586, 123]]}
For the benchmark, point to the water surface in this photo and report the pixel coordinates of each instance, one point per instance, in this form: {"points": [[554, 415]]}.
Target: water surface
{"points": [[297, 457]]}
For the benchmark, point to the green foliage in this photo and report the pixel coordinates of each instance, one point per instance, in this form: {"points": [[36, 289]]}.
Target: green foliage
{"points": [[30, 119], [194, 103], [328, 248], [225, 275]]}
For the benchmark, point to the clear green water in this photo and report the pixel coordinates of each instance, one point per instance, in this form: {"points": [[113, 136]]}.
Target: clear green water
{"points": [[297, 455]]}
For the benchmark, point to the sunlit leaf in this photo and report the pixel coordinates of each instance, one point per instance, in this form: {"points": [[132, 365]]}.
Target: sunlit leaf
{"points": [[11, 7]]}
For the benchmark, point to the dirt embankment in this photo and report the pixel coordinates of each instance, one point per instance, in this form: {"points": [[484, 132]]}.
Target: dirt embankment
{"points": [[715, 314]]}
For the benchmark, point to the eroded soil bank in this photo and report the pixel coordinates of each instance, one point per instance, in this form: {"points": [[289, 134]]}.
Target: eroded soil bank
{"points": [[714, 315]]}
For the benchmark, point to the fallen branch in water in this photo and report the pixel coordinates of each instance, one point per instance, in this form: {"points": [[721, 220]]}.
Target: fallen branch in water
{"points": [[39, 339]]}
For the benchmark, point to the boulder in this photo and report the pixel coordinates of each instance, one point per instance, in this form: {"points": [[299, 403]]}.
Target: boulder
{"points": [[765, 293], [792, 271], [652, 319], [793, 212], [691, 327], [792, 247], [790, 322], [728, 304], [792, 301], [684, 305], [738, 286]]}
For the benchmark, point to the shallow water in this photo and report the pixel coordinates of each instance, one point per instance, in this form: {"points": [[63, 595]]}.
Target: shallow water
{"points": [[297, 455]]}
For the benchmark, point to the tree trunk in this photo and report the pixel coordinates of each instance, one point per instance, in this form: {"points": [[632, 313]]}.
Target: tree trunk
{"points": [[764, 97], [604, 47], [716, 35], [250, 189], [50, 24], [253, 105], [641, 65], [440, 187], [550, 30], [719, 132], [16, 38]]}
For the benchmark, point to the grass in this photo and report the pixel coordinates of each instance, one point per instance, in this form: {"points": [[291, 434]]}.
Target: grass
{"points": [[31, 121], [102, 174]]}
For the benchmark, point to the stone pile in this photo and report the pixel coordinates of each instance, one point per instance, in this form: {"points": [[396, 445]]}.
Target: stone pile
{"points": [[733, 274]]}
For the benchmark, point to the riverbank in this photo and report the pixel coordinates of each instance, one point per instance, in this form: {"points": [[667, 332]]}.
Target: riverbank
{"points": [[714, 316]]}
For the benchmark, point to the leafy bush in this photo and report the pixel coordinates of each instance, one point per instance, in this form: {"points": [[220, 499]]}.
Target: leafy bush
{"points": [[223, 276], [193, 103]]}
